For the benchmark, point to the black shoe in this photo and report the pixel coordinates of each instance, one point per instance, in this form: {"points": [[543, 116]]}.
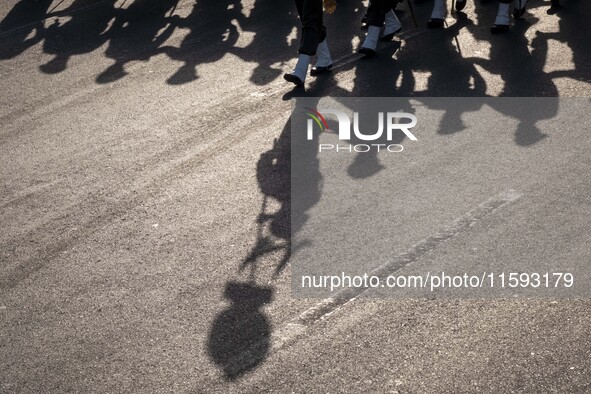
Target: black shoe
{"points": [[320, 70], [460, 4], [367, 52], [390, 37], [435, 23], [497, 29], [293, 79]]}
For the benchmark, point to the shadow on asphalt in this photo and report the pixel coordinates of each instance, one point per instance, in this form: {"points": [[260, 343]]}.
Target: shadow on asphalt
{"points": [[137, 30], [234, 355], [141, 29], [241, 326]]}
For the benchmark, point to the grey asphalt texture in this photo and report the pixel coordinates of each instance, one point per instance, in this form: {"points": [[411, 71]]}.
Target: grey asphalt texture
{"points": [[145, 201]]}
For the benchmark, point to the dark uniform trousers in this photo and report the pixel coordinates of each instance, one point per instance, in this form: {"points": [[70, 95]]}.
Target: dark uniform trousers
{"points": [[313, 31], [376, 12]]}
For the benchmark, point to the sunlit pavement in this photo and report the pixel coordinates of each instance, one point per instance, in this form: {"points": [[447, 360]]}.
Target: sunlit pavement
{"points": [[144, 194]]}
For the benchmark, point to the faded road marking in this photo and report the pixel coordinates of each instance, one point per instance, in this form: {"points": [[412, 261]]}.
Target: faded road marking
{"points": [[296, 327]]}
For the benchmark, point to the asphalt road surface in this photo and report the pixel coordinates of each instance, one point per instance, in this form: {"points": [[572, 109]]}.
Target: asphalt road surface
{"points": [[145, 234]]}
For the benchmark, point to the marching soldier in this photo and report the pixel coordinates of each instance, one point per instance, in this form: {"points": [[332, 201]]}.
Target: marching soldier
{"points": [[380, 13], [503, 19], [313, 41], [439, 13]]}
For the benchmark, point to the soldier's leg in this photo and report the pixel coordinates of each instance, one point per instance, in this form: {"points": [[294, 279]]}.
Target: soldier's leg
{"points": [[391, 26], [313, 32], [376, 14], [438, 14], [503, 19], [323, 58]]}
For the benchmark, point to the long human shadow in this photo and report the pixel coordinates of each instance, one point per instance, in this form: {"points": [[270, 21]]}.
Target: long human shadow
{"points": [[239, 339], [238, 353]]}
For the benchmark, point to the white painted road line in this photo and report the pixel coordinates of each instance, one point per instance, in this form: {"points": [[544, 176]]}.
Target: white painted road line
{"points": [[296, 327]]}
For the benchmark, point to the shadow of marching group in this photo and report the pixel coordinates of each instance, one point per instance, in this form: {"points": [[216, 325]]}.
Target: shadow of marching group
{"points": [[137, 30]]}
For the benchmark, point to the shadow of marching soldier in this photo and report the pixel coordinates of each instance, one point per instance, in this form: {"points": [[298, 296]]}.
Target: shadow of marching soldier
{"points": [[240, 336], [212, 34], [80, 34], [521, 67], [26, 18], [137, 33]]}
